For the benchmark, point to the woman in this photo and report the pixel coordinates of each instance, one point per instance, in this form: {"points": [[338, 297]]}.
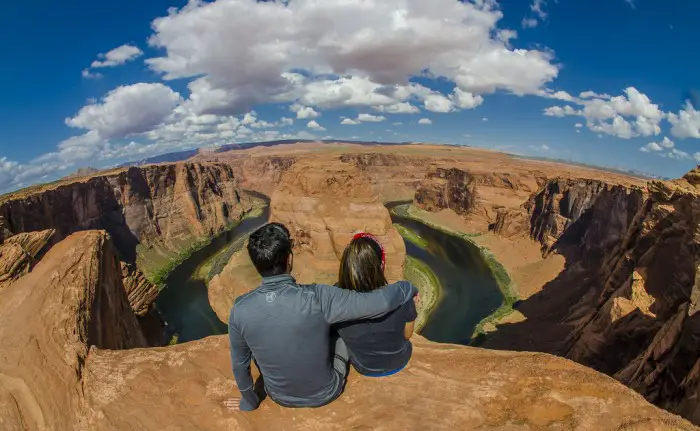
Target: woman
{"points": [[380, 346]]}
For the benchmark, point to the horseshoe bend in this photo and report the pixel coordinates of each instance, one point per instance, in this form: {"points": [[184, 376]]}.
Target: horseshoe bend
{"points": [[554, 296]]}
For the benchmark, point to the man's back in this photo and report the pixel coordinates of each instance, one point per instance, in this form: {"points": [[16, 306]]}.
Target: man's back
{"points": [[285, 328]]}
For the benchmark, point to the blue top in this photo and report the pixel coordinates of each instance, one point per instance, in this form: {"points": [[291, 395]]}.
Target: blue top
{"points": [[378, 346], [286, 326]]}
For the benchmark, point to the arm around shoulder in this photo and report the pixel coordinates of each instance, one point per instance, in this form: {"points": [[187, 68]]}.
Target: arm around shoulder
{"points": [[341, 305]]}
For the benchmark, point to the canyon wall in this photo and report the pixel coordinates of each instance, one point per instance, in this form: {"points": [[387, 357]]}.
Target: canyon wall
{"points": [[323, 206], [151, 213], [73, 359], [49, 318], [626, 302]]}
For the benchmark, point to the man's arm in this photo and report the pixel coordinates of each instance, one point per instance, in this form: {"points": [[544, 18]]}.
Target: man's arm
{"points": [[240, 359], [340, 305]]}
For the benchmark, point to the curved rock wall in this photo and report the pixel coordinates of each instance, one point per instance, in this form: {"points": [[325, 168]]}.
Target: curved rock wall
{"points": [[323, 206], [626, 302]]}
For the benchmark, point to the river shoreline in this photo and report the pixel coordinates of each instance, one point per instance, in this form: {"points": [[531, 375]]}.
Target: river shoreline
{"points": [[499, 272]]}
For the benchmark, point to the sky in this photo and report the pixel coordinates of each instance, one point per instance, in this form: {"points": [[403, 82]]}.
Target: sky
{"points": [[604, 82]]}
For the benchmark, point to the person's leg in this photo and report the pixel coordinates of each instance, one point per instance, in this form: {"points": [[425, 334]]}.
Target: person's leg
{"points": [[341, 356]]}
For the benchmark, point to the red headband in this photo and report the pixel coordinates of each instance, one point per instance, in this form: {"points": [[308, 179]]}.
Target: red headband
{"points": [[373, 238]]}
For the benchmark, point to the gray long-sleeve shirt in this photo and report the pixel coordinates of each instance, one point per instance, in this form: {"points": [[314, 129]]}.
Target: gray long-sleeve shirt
{"points": [[285, 327]]}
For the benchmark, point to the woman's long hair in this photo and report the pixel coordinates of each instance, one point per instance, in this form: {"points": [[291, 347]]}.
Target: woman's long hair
{"points": [[362, 265]]}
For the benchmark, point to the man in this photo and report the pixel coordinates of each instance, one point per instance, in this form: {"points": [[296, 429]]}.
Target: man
{"points": [[285, 327]]}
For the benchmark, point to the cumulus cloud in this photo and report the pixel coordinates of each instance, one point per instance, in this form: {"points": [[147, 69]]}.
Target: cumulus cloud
{"points": [[398, 108], [370, 118], [612, 115], [558, 111], [127, 110], [538, 12], [86, 73], [314, 125], [685, 124], [465, 100], [368, 46], [117, 56], [578, 125], [651, 146], [425, 121], [529, 23], [303, 112], [349, 122]]}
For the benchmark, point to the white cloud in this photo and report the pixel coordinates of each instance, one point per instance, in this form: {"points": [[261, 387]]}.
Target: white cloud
{"points": [[117, 56], [667, 143], [578, 125], [538, 8], [314, 125], [685, 124], [398, 108], [560, 95], [438, 103], [529, 23], [484, 119], [558, 111], [651, 146], [370, 118], [619, 127], [606, 114], [593, 94], [540, 148], [677, 154], [303, 112], [465, 100], [91, 75], [696, 156], [425, 121], [127, 110], [349, 122], [370, 46]]}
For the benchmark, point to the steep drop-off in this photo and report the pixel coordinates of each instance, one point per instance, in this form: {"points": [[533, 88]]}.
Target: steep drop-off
{"points": [[153, 214], [625, 304]]}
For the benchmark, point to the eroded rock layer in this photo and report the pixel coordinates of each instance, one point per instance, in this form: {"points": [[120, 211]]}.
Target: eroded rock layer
{"points": [[323, 206], [72, 361], [72, 299], [19, 253], [626, 302]]}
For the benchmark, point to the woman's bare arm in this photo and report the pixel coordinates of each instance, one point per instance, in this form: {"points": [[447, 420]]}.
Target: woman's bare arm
{"points": [[408, 330]]}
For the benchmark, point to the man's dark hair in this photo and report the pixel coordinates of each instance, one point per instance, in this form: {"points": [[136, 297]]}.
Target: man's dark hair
{"points": [[269, 248]]}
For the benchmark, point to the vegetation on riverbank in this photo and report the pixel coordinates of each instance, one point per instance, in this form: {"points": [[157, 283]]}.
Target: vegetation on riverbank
{"points": [[498, 271], [411, 236], [421, 276], [158, 262]]}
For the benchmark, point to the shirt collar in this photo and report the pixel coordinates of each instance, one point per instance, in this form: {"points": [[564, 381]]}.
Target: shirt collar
{"points": [[278, 279]]}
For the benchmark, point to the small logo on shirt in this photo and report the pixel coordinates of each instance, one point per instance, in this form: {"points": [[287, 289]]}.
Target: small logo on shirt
{"points": [[270, 296]]}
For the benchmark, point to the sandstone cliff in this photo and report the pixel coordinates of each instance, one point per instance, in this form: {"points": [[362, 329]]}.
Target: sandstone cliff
{"points": [[67, 325], [151, 213], [71, 300], [323, 206], [19, 253], [626, 302]]}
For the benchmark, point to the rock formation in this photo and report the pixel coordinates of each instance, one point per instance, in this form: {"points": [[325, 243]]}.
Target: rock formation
{"points": [[19, 253], [626, 302], [71, 361], [447, 188], [323, 206], [73, 299], [151, 213]]}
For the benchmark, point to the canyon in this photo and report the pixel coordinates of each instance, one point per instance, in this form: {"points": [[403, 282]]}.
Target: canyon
{"points": [[603, 265]]}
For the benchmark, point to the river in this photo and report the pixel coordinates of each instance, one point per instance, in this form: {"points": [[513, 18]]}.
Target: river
{"points": [[184, 302], [469, 292]]}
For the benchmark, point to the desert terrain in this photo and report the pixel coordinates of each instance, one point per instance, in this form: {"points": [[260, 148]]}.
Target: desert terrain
{"points": [[597, 271]]}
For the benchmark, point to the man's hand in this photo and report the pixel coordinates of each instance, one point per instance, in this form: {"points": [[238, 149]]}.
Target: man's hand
{"points": [[233, 404]]}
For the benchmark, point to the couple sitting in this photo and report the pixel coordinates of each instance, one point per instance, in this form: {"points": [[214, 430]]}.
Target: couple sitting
{"points": [[302, 337]]}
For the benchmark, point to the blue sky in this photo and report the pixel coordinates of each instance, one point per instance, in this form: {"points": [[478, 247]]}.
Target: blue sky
{"points": [[89, 84]]}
